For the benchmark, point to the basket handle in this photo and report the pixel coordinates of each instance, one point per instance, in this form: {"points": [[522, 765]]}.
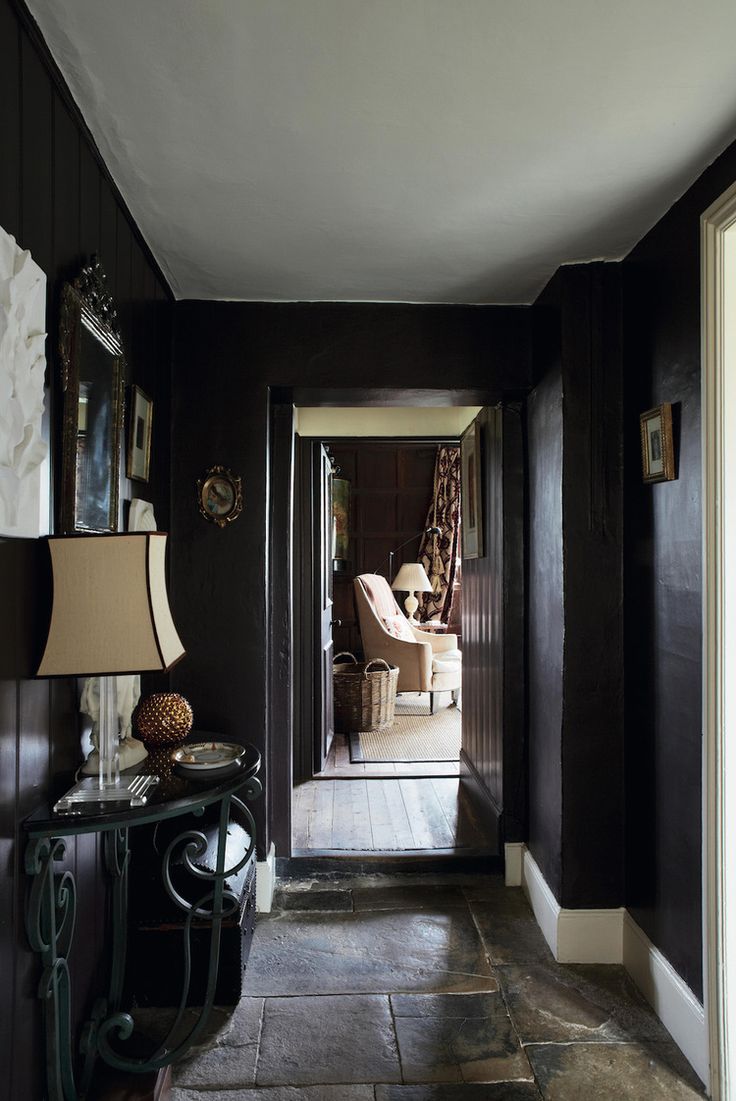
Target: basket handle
{"points": [[345, 654], [377, 661]]}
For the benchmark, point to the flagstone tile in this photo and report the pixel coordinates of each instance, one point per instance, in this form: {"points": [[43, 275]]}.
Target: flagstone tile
{"points": [[347, 1038], [411, 897], [561, 1002], [492, 1091], [457, 1038], [509, 933], [610, 1072], [391, 951]]}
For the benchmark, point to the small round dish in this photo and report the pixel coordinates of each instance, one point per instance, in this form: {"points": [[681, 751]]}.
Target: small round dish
{"points": [[199, 757]]}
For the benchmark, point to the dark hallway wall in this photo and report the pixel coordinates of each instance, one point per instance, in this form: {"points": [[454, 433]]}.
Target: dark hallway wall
{"points": [[546, 626], [664, 582], [57, 200], [228, 356], [576, 588]]}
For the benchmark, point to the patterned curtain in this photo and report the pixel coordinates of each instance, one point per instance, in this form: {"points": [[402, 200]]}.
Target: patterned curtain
{"points": [[439, 553]]}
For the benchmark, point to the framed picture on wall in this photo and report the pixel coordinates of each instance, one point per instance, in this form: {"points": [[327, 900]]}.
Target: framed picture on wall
{"points": [[657, 448], [470, 492], [139, 435]]}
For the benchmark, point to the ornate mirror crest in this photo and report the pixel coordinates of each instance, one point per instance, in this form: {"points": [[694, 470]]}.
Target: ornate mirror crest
{"points": [[92, 376]]}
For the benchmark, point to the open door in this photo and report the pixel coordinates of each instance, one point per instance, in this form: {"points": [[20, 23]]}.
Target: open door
{"points": [[323, 720], [315, 607]]}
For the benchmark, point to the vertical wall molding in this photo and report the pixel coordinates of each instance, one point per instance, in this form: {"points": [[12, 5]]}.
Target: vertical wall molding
{"points": [[718, 349]]}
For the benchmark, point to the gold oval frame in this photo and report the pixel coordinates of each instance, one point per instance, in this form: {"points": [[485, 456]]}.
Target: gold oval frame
{"points": [[204, 485]]}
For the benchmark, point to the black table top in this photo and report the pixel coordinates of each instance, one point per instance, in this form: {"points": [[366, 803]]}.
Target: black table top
{"points": [[174, 795]]}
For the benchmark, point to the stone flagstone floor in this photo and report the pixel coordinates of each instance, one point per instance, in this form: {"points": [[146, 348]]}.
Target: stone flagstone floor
{"points": [[414, 988]]}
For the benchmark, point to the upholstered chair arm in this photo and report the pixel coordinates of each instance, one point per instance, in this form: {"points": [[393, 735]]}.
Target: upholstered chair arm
{"points": [[414, 660], [437, 642]]}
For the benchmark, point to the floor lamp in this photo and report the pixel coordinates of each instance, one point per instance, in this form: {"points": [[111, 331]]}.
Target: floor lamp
{"points": [[394, 552]]}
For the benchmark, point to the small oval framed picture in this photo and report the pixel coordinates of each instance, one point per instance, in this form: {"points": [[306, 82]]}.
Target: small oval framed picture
{"points": [[220, 495]]}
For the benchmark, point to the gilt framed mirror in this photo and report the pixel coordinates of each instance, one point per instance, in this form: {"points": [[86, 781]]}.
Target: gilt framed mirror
{"points": [[93, 374]]}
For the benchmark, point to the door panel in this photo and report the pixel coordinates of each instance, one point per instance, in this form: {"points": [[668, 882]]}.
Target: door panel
{"points": [[324, 648]]}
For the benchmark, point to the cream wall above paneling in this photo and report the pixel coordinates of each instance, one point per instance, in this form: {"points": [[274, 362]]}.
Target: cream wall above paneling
{"points": [[394, 421]]}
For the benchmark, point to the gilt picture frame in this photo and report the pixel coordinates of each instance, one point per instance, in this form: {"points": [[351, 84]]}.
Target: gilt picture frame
{"points": [[220, 495], [657, 446], [471, 492], [139, 435]]}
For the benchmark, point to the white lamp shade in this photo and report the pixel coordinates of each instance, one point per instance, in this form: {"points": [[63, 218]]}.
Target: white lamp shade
{"points": [[412, 578], [110, 611]]}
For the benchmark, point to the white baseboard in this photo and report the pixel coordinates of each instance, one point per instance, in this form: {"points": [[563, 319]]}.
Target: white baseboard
{"points": [[266, 881], [671, 999], [612, 936], [544, 904], [513, 852], [590, 936]]}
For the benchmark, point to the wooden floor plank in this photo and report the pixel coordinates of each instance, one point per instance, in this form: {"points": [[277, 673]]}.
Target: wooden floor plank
{"points": [[448, 796], [303, 800], [391, 814], [428, 823], [352, 824], [462, 814], [389, 821], [321, 815]]}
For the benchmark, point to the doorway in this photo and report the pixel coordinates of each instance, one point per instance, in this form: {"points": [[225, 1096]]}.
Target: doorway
{"points": [[393, 789], [494, 693]]}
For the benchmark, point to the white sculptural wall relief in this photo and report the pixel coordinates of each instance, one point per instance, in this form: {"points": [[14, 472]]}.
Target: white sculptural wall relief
{"points": [[23, 450]]}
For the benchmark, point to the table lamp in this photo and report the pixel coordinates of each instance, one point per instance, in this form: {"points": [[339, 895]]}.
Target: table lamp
{"points": [[110, 614], [412, 578]]}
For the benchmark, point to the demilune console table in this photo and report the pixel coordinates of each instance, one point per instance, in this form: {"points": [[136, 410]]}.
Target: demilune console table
{"points": [[51, 909]]}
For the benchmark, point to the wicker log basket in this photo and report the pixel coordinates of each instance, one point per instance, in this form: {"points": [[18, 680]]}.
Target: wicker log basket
{"points": [[365, 693]]}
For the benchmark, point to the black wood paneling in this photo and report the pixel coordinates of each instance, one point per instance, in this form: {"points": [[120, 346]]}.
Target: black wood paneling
{"points": [[545, 626], [239, 352], [483, 622], [663, 570], [57, 200], [576, 589]]}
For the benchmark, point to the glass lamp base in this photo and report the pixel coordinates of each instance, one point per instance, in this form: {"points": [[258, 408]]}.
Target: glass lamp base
{"points": [[131, 790]]}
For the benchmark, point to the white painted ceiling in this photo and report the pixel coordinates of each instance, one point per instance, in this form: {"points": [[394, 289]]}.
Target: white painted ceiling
{"points": [[396, 150], [392, 421]]}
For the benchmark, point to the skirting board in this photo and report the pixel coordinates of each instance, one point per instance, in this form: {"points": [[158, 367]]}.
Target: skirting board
{"points": [[674, 1003], [266, 881], [612, 936]]}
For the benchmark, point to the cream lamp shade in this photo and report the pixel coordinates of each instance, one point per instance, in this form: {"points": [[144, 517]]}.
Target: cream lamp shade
{"points": [[110, 612], [412, 578]]}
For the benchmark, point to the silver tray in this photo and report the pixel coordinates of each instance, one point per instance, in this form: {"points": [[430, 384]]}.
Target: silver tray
{"points": [[202, 757]]}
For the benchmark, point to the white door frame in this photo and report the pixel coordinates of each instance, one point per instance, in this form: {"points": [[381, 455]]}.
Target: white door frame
{"points": [[718, 346]]}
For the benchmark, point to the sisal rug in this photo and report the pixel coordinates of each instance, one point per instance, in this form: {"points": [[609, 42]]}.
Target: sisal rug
{"points": [[415, 735]]}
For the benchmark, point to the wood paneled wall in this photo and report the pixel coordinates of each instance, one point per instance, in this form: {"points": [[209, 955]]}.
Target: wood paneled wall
{"points": [[494, 663], [576, 588], [57, 199], [226, 603], [663, 569]]}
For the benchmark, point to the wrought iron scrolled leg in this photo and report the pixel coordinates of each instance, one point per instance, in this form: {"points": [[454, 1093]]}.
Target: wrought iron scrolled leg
{"points": [[117, 858], [50, 918], [214, 906]]}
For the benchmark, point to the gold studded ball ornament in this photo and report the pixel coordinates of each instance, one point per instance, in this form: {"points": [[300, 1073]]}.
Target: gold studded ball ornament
{"points": [[163, 719]]}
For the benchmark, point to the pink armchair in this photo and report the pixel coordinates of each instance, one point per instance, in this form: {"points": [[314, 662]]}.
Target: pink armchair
{"points": [[427, 662]]}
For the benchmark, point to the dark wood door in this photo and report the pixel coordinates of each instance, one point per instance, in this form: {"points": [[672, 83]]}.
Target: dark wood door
{"points": [[323, 612], [314, 728]]}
